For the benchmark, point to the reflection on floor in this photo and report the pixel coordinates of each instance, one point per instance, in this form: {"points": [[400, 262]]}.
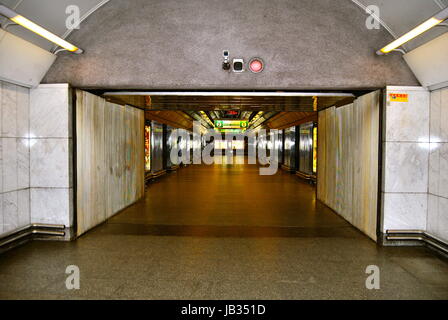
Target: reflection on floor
{"points": [[223, 232], [231, 195]]}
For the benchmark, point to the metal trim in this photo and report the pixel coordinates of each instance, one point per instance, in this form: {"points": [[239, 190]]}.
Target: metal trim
{"points": [[417, 235], [226, 94], [31, 230]]}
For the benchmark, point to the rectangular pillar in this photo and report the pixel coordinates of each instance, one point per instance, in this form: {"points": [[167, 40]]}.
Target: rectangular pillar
{"points": [[405, 158], [51, 155]]}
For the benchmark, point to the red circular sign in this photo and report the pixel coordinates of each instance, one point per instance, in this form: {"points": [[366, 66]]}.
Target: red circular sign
{"points": [[256, 65]]}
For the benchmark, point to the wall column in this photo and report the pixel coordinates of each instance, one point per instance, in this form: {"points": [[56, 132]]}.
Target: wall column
{"points": [[405, 158], [14, 157], [51, 155], [437, 222]]}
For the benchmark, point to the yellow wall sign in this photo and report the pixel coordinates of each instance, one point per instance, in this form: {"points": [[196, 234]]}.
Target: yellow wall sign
{"points": [[398, 97]]}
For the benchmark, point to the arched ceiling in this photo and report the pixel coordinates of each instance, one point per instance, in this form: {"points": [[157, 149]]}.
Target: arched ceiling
{"points": [[400, 16], [178, 44], [50, 14]]}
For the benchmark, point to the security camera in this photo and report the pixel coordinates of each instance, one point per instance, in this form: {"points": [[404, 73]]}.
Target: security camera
{"points": [[226, 63], [238, 65]]}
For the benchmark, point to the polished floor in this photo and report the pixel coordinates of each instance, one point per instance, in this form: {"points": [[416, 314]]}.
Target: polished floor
{"points": [[223, 232]]}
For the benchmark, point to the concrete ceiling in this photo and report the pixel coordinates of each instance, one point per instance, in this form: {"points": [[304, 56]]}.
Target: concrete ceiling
{"points": [[334, 29], [398, 15]]}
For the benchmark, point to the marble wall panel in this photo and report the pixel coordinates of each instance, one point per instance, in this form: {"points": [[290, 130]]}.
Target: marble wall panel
{"points": [[16, 209], [402, 124], [439, 116], [14, 111], [51, 111], [437, 216], [406, 156], [1, 166], [1, 214], [409, 211], [52, 206], [110, 158], [41, 157], [348, 161], [406, 166], [437, 223], [438, 169], [14, 157], [51, 154], [50, 160]]}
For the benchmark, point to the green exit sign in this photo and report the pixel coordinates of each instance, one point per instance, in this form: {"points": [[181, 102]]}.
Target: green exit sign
{"points": [[231, 124]]}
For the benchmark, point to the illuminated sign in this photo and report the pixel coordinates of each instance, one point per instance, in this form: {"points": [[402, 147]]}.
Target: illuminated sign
{"points": [[147, 148], [229, 130], [398, 97], [315, 149], [231, 145], [231, 124]]}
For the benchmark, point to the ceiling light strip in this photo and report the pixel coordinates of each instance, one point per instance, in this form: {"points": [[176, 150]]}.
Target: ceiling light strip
{"points": [[423, 27], [30, 25]]}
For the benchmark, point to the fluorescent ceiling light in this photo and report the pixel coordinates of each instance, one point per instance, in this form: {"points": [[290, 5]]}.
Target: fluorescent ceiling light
{"points": [[425, 26], [24, 22]]}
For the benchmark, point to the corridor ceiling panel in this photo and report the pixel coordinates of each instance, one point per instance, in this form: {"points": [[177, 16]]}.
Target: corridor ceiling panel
{"points": [[176, 119], [221, 102], [285, 120]]}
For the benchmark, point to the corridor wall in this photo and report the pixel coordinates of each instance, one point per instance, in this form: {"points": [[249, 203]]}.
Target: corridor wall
{"points": [[405, 158], [157, 147], [14, 157], [437, 219], [290, 148], [306, 148], [109, 157], [35, 156], [348, 159]]}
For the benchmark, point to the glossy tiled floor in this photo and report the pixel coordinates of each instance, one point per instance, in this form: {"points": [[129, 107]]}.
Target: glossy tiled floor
{"points": [[223, 232]]}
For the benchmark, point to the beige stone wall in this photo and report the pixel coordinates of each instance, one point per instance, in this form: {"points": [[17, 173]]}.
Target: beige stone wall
{"points": [[348, 157], [110, 158]]}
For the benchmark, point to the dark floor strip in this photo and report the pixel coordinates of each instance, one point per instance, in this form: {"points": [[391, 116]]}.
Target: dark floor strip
{"points": [[228, 231]]}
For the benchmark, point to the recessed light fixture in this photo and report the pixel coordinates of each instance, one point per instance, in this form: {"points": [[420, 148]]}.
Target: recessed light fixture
{"points": [[24, 22], [425, 26]]}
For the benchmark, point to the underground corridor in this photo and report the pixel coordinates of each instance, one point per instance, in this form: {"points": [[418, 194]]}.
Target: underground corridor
{"points": [[223, 230], [224, 150]]}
